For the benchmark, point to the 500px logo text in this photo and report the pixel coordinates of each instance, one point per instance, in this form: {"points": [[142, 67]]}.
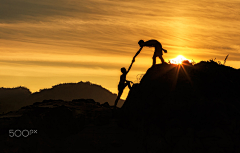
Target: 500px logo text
{"points": [[19, 133]]}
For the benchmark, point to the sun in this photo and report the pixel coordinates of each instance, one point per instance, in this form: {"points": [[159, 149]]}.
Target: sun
{"points": [[178, 60]]}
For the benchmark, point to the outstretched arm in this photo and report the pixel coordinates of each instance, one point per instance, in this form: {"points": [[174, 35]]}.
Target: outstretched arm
{"points": [[165, 51], [130, 66], [134, 59], [137, 53]]}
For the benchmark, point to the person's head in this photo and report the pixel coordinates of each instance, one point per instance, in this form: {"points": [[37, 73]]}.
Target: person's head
{"points": [[140, 43], [123, 70]]}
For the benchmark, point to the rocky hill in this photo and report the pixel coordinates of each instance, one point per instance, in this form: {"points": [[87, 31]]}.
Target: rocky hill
{"points": [[12, 99], [186, 108], [80, 90]]}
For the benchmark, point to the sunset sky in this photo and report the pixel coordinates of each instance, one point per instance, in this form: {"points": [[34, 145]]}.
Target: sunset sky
{"points": [[47, 42]]}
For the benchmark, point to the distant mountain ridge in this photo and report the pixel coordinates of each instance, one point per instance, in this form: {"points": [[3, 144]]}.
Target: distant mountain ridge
{"points": [[15, 98]]}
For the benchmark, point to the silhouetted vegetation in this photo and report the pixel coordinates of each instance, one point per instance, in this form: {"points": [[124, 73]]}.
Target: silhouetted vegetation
{"points": [[186, 62], [225, 59], [217, 62]]}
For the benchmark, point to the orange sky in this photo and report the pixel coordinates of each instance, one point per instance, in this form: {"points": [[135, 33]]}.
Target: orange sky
{"points": [[47, 42]]}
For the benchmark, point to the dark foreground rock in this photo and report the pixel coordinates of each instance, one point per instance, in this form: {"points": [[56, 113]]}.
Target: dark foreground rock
{"points": [[186, 109], [57, 126]]}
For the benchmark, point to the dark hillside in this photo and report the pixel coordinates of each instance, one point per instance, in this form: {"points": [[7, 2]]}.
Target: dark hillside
{"points": [[57, 126], [13, 98], [186, 108], [70, 91]]}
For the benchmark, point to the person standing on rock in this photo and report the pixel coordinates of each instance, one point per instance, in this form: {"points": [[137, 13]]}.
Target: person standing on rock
{"points": [[123, 82], [158, 49]]}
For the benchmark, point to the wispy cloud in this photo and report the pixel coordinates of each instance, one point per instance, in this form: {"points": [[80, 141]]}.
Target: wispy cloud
{"points": [[41, 33]]}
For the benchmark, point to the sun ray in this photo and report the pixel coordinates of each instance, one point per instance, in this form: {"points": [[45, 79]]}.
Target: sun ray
{"points": [[180, 65], [176, 78], [186, 73]]}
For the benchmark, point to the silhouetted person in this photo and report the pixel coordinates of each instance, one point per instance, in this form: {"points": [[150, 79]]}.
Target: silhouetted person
{"points": [[123, 82], [158, 49]]}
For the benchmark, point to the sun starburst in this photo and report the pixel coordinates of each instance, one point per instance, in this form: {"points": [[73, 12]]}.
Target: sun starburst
{"points": [[178, 60]]}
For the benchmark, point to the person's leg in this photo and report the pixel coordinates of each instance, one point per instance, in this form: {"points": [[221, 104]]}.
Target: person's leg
{"points": [[161, 58], [129, 84], [118, 97], [154, 59]]}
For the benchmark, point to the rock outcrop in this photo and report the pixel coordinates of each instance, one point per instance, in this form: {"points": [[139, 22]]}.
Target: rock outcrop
{"points": [[80, 125], [185, 108]]}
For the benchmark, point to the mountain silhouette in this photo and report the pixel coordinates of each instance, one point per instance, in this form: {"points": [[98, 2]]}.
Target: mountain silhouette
{"points": [[15, 98], [186, 108]]}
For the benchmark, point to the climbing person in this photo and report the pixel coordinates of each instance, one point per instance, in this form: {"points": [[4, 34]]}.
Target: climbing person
{"points": [[123, 82], [158, 49]]}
